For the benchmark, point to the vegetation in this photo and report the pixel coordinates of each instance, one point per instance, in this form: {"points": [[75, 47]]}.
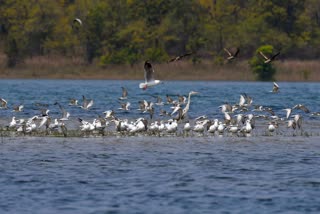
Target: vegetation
{"points": [[130, 31], [264, 71]]}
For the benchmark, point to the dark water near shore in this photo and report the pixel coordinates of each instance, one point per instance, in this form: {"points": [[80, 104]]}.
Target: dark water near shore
{"points": [[260, 174]]}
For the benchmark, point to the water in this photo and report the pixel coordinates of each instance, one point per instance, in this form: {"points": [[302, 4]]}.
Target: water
{"points": [[139, 174]]}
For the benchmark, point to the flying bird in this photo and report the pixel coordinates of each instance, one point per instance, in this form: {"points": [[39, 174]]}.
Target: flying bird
{"points": [[76, 23], [148, 77], [231, 55], [268, 59], [179, 57], [275, 88], [124, 94], [86, 104]]}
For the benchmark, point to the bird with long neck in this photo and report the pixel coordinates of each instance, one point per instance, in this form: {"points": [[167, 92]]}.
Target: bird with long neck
{"points": [[186, 108]]}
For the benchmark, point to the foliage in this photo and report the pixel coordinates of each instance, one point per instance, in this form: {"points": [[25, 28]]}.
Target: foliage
{"points": [[264, 71], [131, 31]]}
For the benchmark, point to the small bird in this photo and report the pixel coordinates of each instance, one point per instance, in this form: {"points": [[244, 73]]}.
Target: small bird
{"points": [[73, 102], [301, 107], [124, 94], [3, 103], [18, 108], [125, 106], [174, 59], [76, 23], [109, 114], [232, 55], [65, 114], [267, 59], [86, 104], [275, 88], [288, 110], [148, 77]]}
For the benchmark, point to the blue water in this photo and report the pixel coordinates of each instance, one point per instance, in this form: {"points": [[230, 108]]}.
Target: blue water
{"points": [[259, 174], [106, 93]]}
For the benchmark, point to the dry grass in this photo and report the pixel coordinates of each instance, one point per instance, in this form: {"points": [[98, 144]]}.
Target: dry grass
{"points": [[56, 67]]}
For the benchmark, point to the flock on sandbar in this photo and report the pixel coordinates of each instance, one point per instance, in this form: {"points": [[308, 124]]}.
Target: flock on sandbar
{"points": [[160, 117]]}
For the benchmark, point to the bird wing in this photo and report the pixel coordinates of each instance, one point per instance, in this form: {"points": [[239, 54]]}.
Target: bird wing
{"points": [[173, 59], [84, 102], [124, 92], [237, 52], [264, 56], [305, 109], [148, 72], [275, 87], [227, 51], [274, 56], [77, 20]]}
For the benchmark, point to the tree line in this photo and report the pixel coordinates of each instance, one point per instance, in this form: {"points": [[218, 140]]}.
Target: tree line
{"points": [[131, 31]]}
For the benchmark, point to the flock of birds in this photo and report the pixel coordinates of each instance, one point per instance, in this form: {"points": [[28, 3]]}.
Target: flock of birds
{"points": [[236, 119], [159, 117]]}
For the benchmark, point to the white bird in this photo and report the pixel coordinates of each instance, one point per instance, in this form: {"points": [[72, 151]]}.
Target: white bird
{"points": [[213, 127], [43, 121], [187, 127], [65, 114], [200, 126], [86, 104], [86, 126], [288, 112], [109, 114], [275, 88], [221, 128], [3, 103], [247, 128], [148, 77], [18, 108], [186, 108], [125, 106], [13, 122], [171, 126], [298, 120], [272, 126]]}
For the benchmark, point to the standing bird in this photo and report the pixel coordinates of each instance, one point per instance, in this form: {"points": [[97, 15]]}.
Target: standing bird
{"points": [[148, 77], [232, 56], [269, 59], [179, 57], [124, 94], [186, 108]]}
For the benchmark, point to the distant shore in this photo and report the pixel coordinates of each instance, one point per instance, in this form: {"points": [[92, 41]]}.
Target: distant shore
{"points": [[60, 68]]}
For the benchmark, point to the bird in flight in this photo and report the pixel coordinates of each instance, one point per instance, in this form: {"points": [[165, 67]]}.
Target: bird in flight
{"points": [[148, 77], [269, 59], [179, 57], [231, 55]]}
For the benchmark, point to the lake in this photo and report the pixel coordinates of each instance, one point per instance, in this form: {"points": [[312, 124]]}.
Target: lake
{"points": [[276, 173]]}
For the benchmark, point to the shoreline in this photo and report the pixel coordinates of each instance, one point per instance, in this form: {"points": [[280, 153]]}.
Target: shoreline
{"points": [[207, 70]]}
